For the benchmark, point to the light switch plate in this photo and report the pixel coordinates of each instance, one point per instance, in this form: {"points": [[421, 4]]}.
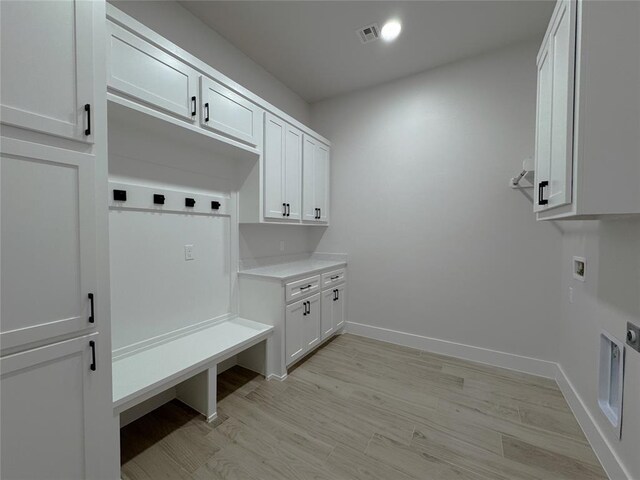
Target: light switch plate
{"points": [[188, 252]]}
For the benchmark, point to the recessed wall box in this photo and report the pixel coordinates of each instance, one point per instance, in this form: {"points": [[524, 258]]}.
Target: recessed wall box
{"points": [[189, 202], [158, 199], [215, 205], [611, 380]]}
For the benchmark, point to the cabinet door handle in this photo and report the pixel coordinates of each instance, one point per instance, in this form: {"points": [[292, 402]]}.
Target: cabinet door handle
{"points": [[193, 106], [87, 108], [308, 308], [284, 209], [92, 344], [206, 112], [319, 213], [337, 294], [92, 318], [304, 312], [541, 187], [288, 209]]}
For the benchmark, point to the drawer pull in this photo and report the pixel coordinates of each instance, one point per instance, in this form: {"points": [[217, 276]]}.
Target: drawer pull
{"points": [[306, 288], [335, 277], [206, 112], [193, 106]]}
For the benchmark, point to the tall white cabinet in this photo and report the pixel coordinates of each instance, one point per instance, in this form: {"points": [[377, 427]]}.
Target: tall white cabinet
{"points": [[55, 382], [588, 112], [47, 59]]}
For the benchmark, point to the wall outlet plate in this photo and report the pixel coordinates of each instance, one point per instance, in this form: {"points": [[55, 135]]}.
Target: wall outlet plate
{"points": [[633, 336], [579, 268]]}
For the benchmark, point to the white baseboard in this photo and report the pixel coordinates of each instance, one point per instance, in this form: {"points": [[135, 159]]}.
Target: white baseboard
{"points": [[533, 366], [601, 446], [280, 378]]}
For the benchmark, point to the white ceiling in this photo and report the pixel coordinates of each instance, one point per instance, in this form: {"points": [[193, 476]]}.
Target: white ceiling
{"points": [[313, 48]]}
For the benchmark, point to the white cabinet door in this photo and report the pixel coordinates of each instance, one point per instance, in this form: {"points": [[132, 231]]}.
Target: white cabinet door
{"points": [[311, 317], [326, 323], [142, 71], [339, 313], [321, 182], [554, 143], [228, 113], [294, 331], [47, 66], [315, 181], [48, 428], [293, 172], [48, 242], [274, 152], [282, 169]]}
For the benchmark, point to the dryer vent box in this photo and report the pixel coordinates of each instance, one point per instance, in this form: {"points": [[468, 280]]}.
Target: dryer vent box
{"points": [[611, 380]]}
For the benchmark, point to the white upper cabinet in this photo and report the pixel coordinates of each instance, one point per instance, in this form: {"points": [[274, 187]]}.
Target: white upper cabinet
{"points": [[315, 181], [228, 113], [47, 67], [554, 137], [148, 74], [282, 169], [588, 112], [48, 242]]}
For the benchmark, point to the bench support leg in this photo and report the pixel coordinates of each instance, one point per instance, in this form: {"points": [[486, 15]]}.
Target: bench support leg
{"points": [[199, 392]]}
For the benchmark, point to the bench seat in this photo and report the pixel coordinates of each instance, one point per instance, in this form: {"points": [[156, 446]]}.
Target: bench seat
{"points": [[143, 374]]}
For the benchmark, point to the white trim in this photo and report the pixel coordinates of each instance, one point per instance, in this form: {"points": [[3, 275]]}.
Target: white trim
{"points": [[533, 366], [280, 378], [603, 449], [610, 461]]}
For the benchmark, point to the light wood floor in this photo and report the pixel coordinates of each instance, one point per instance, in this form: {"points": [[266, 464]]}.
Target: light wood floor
{"points": [[361, 409]]}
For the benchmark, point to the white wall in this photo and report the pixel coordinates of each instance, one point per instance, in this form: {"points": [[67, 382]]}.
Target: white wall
{"points": [[608, 298], [174, 22], [438, 244]]}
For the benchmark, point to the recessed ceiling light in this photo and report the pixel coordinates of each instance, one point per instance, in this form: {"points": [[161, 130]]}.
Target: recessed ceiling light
{"points": [[391, 30]]}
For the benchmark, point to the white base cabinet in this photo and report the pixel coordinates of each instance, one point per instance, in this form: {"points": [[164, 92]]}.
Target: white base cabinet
{"points": [[333, 310], [305, 309], [588, 112], [302, 327]]}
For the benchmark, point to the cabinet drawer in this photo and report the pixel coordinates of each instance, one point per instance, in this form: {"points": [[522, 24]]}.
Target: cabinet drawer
{"points": [[334, 277], [301, 288]]}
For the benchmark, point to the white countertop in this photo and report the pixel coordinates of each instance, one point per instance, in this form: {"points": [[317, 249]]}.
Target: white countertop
{"points": [[287, 271]]}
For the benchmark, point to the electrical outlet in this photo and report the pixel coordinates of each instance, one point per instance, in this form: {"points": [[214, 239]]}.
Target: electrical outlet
{"points": [[633, 336], [188, 252]]}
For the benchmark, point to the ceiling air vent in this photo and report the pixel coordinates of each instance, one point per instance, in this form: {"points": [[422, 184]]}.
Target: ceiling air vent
{"points": [[370, 33]]}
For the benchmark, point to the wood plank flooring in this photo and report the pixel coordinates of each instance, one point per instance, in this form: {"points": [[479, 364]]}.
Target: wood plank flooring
{"points": [[362, 409]]}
